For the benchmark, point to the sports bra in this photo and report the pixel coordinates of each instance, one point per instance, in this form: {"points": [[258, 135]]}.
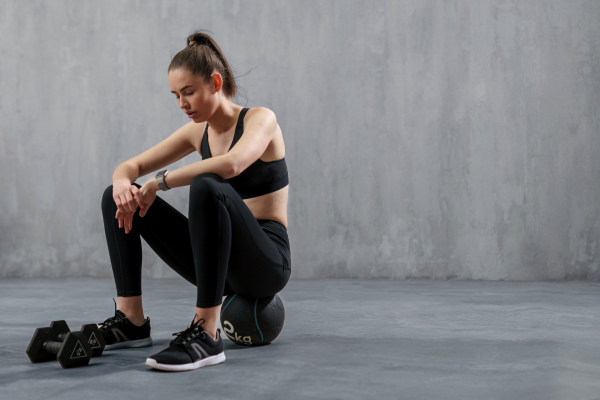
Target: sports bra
{"points": [[260, 177]]}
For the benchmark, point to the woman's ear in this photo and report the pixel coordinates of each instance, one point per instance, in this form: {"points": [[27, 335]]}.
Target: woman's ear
{"points": [[217, 81]]}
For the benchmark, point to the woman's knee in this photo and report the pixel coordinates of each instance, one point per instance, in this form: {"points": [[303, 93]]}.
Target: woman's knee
{"points": [[107, 200], [206, 185]]}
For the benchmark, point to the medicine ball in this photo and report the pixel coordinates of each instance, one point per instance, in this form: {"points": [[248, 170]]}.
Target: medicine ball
{"points": [[252, 321]]}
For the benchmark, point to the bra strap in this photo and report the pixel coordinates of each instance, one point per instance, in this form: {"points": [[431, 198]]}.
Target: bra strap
{"points": [[239, 128], [204, 149]]}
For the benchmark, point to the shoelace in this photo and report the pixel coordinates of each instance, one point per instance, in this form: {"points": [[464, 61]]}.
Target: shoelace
{"points": [[112, 320], [192, 331]]}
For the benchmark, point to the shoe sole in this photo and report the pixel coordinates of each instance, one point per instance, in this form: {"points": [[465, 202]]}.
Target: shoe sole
{"points": [[205, 362], [130, 343]]}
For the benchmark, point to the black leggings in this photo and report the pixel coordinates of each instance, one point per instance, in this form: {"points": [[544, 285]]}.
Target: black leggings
{"points": [[221, 249]]}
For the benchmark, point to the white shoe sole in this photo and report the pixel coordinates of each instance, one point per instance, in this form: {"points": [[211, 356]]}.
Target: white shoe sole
{"points": [[130, 343], [205, 362]]}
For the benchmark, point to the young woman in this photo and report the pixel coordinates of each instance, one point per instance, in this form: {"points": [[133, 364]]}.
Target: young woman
{"points": [[235, 237]]}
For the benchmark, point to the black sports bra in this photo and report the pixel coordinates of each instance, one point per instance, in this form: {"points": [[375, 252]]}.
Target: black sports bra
{"points": [[260, 177]]}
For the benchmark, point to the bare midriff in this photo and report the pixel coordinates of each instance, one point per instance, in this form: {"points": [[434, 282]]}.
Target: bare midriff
{"points": [[271, 206]]}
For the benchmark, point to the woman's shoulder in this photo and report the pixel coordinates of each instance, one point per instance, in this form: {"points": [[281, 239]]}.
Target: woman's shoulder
{"points": [[193, 132], [261, 115], [261, 112]]}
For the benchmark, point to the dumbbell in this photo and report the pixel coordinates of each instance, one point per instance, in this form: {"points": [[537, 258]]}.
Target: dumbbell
{"points": [[95, 338], [74, 351]]}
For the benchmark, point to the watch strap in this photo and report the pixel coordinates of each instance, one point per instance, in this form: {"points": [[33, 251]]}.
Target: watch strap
{"points": [[160, 178]]}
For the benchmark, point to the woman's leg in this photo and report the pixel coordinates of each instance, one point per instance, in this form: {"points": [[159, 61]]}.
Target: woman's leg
{"points": [[229, 247], [166, 231]]}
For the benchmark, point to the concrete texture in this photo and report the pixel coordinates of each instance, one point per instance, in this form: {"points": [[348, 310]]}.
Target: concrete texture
{"points": [[425, 139], [342, 339]]}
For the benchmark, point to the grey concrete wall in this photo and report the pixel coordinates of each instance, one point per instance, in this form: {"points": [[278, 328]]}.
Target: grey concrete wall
{"points": [[425, 139]]}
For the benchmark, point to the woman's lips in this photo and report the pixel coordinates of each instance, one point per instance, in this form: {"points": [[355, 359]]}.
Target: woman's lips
{"points": [[191, 115]]}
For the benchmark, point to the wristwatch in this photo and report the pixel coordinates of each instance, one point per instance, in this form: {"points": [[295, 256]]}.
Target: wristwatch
{"points": [[160, 178]]}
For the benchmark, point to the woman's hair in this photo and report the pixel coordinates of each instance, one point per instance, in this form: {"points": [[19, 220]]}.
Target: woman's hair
{"points": [[202, 57]]}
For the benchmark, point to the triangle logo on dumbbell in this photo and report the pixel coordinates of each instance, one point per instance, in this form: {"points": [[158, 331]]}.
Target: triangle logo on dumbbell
{"points": [[78, 351], [93, 341]]}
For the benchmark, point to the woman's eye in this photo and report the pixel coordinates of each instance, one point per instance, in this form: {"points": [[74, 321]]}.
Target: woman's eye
{"points": [[189, 94]]}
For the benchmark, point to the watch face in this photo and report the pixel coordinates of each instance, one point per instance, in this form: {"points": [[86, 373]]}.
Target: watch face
{"points": [[160, 178]]}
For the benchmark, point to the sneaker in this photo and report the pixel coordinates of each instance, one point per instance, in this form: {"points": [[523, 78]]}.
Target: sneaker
{"points": [[191, 349], [120, 332]]}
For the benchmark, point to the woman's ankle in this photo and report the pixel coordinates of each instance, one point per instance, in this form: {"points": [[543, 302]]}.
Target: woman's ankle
{"points": [[208, 327], [210, 316], [138, 321], [212, 331], [136, 318], [133, 309]]}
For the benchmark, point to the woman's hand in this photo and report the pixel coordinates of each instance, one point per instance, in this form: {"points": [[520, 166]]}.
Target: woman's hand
{"points": [[124, 196], [125, 220], [146, 196]]}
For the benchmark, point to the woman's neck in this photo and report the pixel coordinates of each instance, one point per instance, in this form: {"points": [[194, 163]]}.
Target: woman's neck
{"points": [[225, 117]]}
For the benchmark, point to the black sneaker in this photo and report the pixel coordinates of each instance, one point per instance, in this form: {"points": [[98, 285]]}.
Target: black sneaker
{"points": [[119, 332], [191, 349]]}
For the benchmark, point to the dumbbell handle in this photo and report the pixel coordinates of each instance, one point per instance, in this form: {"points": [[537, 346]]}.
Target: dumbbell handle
{"points": [[52, 347]]}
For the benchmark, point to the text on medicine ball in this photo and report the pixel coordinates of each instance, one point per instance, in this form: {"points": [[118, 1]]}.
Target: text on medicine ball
{"points": [[233, 335]]}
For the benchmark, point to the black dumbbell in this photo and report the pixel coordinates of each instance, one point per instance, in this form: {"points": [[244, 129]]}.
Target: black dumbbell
{"points": [[95, 338], [74, 351]]}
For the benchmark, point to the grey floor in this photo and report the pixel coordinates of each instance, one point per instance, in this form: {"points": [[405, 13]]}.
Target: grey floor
{"points": [[342, 339]]}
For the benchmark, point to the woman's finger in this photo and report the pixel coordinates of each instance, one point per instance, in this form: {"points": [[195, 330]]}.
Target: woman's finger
{"points": [[123, 204], [139, 198], [129, 220], [125, 223], [118, 217], [127, 202], [131, 202], [148, 203], [117, 200]]}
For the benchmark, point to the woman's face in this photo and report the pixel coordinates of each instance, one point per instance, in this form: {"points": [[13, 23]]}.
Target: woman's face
{"points": [[195, 97]]}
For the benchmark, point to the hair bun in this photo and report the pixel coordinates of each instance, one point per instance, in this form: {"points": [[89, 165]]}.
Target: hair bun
{"points": [[197, 39]]}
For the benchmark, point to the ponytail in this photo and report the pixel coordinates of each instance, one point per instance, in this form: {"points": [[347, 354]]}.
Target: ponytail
{"points": [[202, 57]]}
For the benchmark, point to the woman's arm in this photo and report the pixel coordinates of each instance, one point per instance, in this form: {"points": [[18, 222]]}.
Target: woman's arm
{"points": [[175, 147], [258, 133]]}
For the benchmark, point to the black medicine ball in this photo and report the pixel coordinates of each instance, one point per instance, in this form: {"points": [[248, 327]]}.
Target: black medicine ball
{"points": [[252, 321]]}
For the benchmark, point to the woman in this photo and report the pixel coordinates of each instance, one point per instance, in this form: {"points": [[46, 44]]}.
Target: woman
{"points": [[235, 239]]}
